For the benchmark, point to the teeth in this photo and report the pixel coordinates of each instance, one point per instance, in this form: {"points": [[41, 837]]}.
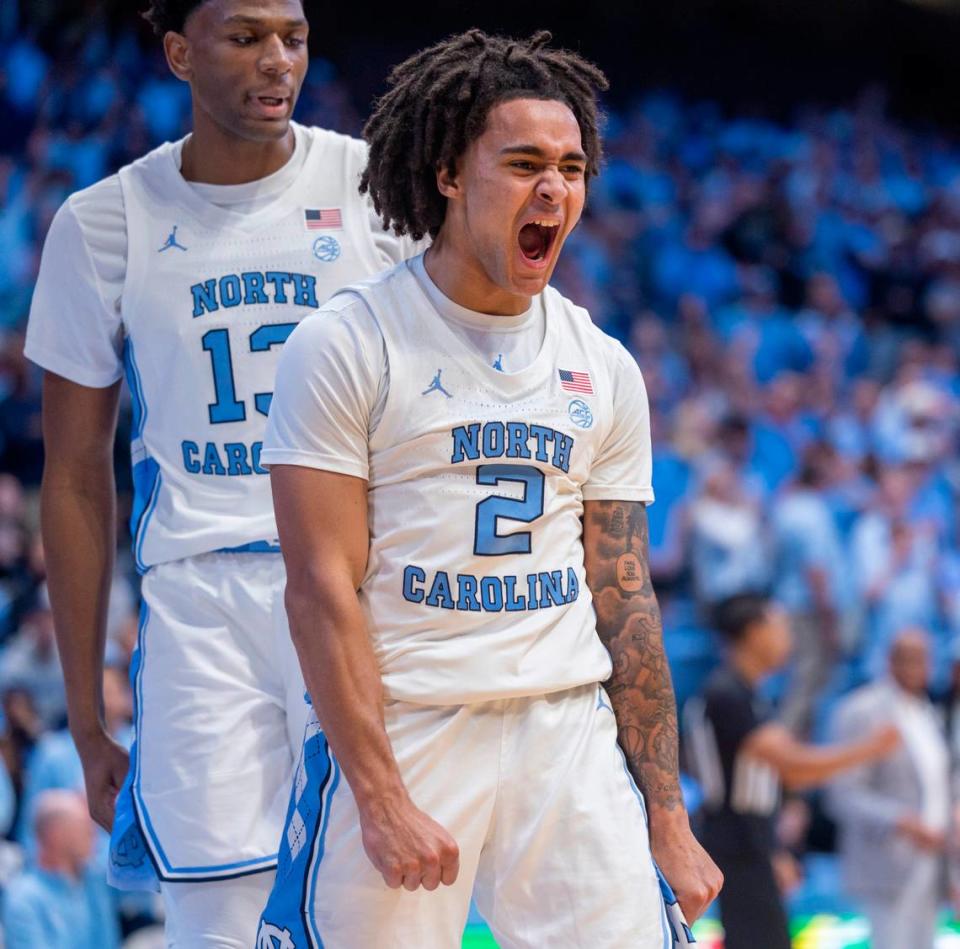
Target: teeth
{"points": [[547, 223]]}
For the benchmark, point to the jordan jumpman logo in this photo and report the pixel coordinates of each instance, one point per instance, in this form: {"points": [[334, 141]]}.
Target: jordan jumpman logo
{"points": [[172, 241], [436, 386]]}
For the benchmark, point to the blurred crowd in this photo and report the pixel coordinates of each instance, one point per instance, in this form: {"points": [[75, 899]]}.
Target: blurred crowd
{"points": [[791, 292]]}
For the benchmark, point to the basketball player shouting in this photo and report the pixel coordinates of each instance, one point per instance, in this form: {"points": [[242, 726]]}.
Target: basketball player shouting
{"points": [[188, 270], [460, 465]]}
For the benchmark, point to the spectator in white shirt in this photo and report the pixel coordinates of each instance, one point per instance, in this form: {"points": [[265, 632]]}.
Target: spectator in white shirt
{"points": [[895, 815]]}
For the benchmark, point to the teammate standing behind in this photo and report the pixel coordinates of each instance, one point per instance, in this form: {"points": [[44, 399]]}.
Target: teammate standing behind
{"points": [[187, 271], [449, 423]]}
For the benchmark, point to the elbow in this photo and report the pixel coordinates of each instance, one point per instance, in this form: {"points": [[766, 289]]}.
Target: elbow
{"points": [[303, 598], [313, 599]]}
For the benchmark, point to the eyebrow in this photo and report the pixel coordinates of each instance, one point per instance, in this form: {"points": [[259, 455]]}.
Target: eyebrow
{"points": [[540, 153], [241, 20]]}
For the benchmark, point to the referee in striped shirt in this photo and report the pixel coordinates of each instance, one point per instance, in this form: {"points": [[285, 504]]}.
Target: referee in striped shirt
{"points": [[742, 757]]}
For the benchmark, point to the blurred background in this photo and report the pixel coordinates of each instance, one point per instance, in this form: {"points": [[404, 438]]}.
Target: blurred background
{"points": [[776, 239]]}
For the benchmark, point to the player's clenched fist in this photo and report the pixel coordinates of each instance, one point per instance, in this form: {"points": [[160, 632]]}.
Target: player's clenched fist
{"points": [[104, 769], [409, 848]]}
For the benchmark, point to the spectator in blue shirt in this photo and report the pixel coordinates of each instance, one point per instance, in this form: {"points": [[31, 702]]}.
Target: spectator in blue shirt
{"points": [[807, 582], [895, 565], [727, 549], [55, 762], [59, 902]]}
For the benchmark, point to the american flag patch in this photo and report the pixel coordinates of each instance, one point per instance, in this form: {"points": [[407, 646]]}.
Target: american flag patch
{"points": [[320, 218], [575, 381]]}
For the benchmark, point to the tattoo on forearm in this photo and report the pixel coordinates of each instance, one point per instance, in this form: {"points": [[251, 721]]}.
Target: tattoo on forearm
{"points": [[616, 540]]}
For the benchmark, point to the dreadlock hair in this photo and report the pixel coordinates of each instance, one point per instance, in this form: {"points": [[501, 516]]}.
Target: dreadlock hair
{"points": [[438, 104], [166, 15]]}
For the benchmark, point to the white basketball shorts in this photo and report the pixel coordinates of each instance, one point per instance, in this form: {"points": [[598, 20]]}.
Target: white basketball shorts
{"points": [[551, 828], [220, 716]]}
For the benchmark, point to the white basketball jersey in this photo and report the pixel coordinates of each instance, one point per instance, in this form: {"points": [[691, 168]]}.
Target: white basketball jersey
{"points": [[475, 588], [210, 296]]}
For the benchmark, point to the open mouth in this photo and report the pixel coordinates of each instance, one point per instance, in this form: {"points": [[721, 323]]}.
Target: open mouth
{"points": [[536, 239], [269, 107]]}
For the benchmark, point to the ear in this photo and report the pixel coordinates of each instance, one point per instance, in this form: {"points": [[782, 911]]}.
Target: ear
{"points": [[448, 183], [177, 50]]}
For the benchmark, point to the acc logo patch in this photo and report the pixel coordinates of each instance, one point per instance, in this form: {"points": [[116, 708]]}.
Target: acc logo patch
{"points": [[273, 937], [326, 248], [580, 413]]}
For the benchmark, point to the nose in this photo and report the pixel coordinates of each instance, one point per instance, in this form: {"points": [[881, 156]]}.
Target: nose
{"points": [[551, 185], [275, 59]]}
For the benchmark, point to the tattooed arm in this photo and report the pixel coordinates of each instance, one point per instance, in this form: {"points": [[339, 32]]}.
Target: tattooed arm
{"points": [[615, 540]]}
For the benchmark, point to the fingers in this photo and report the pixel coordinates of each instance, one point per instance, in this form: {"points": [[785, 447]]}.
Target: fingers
{"points": [[695, 900], [101, 803], [432, 870], [450, 865], [412, 876], [436, 865], [102, 812]]}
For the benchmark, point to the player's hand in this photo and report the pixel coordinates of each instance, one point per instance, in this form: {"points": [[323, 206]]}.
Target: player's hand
{"points": [[920, 835], [407, 847], [694, 878], [105, 766]]}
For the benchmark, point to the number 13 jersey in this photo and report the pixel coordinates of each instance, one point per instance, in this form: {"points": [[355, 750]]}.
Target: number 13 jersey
{"points": [[206, 294], [475, 586]]}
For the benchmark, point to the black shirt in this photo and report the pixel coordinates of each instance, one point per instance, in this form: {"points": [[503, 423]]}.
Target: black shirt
{"points": [[741, 794]]}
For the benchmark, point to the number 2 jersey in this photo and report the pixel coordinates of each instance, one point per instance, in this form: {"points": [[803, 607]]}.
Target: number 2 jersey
{"points": [[475, 586], [193, 304]]}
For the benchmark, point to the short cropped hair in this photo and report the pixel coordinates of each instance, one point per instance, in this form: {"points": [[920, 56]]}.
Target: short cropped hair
{"points": [[167, 15], [733, 616]]}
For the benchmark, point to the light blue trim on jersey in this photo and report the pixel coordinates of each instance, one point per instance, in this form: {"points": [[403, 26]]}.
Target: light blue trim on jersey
{"points": [[289, 915], [165, 869], [254, 547], [135, 385], [131, 865], [146, 472], [149, 472], [669, 939], [318, 849]]}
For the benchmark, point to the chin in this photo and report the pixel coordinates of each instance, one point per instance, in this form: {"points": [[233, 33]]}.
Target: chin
{"points": [[257, 130]]}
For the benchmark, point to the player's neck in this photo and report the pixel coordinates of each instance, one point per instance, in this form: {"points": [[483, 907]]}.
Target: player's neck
{"points": [[212, 156], [461, 278]]}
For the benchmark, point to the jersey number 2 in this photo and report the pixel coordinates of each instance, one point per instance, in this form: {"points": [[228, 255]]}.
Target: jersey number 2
{"points": [[228, 408], [487, 542]]}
